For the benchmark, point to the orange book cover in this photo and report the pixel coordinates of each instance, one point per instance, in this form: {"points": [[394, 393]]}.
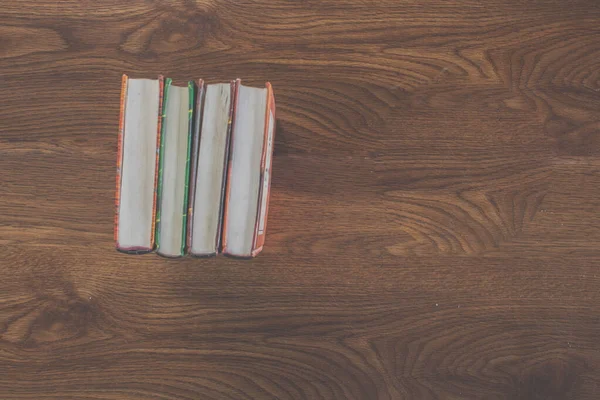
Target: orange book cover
{"points": [[124, 81], [266, 161]]}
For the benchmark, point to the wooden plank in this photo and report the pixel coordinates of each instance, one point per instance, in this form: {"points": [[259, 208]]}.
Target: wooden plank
{"points": [[434, 214]]}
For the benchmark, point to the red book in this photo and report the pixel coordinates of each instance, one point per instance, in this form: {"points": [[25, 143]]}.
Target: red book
{"points": [[249, 171]]}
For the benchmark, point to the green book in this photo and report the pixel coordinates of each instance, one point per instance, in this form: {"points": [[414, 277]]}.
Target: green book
{"points": [[174, 169]]}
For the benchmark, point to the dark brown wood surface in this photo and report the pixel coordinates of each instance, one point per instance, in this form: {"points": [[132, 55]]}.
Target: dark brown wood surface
{"points": [[434, 227]]}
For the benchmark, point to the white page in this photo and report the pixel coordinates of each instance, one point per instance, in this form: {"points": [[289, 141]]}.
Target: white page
{"points": [[173, 173], [246, 153], [211, 165], [139, 164]]}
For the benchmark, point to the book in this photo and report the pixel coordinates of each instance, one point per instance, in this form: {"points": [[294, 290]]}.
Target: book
{"points": [[249, 171], [193, 167], [173, 173], [210, 167], [138, 138], [197, 125]]}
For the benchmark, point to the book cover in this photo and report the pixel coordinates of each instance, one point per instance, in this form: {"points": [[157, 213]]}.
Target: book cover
{"points": [[235, 86], [191, 101], [266, 161], [124, 81], [160, 155], [197, 128], [161, 103], [234, 89]]}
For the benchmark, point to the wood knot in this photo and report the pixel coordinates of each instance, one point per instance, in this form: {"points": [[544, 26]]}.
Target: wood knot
{"points": [[172, 31], [52, 319], [554, 379]]}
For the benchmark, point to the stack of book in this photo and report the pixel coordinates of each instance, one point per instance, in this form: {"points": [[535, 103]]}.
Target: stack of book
{"points": [[193, 167]]}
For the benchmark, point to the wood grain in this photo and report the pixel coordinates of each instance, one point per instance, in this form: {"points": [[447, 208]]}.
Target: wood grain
{"points": [[434, 223]]}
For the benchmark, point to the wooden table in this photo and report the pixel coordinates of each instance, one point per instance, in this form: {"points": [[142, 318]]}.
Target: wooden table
{"points": [[434, 227]]}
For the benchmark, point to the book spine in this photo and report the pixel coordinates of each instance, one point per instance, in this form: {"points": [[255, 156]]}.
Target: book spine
{"points": [[265, 176], [164, 93], [191, 92], [222, 246], [124, 81], [194, 163]]}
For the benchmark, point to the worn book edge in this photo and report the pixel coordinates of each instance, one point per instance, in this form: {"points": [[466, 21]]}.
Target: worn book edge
{"points": [[124, 82], [234, 86], [198, 106], [227, 187], [191, 92], [266, 163]]}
